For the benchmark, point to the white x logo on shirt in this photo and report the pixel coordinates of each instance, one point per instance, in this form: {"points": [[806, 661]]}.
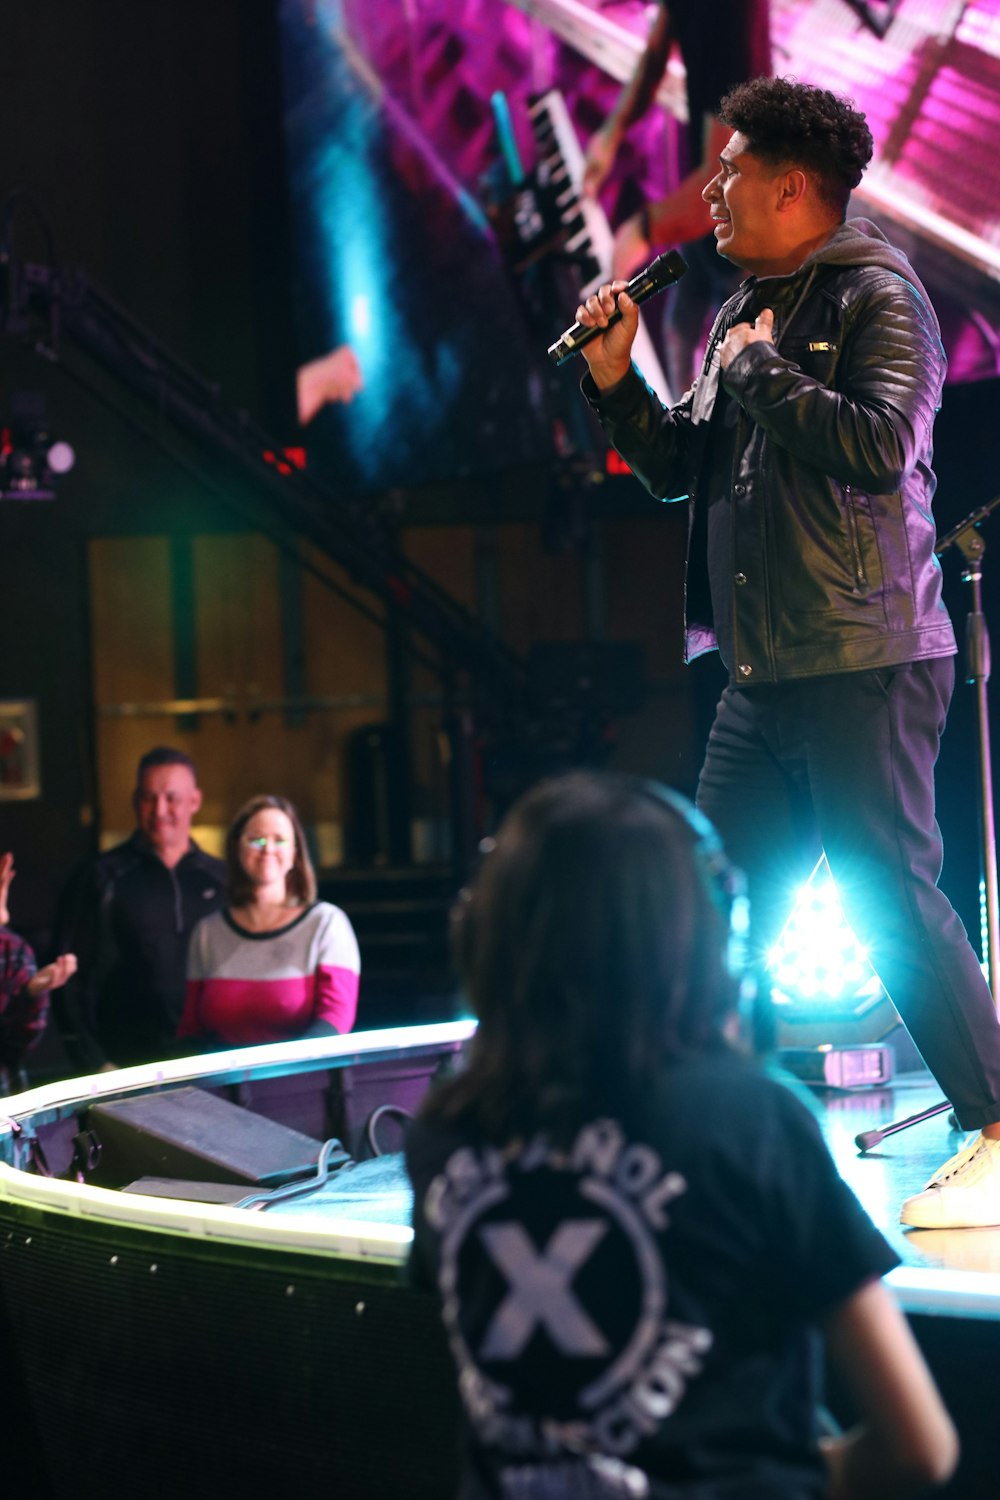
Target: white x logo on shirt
{"points": [[540, 1289]]}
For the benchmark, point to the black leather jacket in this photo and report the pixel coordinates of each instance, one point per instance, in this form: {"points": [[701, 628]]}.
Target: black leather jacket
{"points": [[827, 477]]}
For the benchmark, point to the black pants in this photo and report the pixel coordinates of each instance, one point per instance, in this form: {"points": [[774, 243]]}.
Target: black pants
{"points": [[845, 764]]}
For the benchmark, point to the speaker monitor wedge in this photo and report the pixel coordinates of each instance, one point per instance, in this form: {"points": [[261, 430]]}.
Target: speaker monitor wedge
{"points": [[191, 1134]]}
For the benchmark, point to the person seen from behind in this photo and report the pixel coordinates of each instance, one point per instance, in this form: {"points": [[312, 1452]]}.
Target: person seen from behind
{"points": [[638, 1237]]}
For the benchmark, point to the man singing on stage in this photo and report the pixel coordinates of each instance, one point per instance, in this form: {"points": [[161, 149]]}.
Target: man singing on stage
{"points": [[804, 450]]}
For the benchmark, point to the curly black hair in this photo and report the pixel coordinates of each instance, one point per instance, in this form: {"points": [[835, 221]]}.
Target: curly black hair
{"points": [[785, 121]]}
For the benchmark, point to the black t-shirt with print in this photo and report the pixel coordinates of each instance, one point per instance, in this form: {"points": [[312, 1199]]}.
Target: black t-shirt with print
{"points": [[649, 1293]]}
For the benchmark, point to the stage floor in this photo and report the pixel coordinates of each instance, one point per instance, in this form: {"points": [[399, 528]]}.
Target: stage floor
{"points": [[943, 1269], [952, 1272]]}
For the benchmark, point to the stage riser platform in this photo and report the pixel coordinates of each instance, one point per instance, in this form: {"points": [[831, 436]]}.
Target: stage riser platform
{"points": [[171, 1347]]}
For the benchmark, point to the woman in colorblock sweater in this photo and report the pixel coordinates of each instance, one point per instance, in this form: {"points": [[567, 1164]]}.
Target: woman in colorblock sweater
{"points": [[274, 964]]}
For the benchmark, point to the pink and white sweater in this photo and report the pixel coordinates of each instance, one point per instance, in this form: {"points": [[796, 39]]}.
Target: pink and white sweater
{"points": [[249, 987]]}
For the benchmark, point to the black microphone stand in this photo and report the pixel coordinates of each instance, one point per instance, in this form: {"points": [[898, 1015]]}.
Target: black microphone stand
{"points": [[968, 539]]}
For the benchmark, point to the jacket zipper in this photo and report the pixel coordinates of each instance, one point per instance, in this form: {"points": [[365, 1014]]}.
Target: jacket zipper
{"points": [[860, 576]]}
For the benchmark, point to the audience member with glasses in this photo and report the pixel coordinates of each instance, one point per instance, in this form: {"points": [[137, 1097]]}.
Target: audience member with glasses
{"points": [[274, 964]]}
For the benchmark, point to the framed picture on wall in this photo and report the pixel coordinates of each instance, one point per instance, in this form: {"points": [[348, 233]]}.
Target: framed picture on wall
{"points": [[19, 774]]}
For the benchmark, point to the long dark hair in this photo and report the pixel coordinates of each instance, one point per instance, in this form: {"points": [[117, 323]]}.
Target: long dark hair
{"points": [[300, 882], [593, 946]]}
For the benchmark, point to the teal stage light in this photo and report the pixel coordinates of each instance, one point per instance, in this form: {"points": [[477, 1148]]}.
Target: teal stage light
{"points": [[824, 991]]}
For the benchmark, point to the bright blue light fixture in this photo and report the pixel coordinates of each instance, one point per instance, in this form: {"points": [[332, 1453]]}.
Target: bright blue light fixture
{"points": [[817, 960], [824, 989]]}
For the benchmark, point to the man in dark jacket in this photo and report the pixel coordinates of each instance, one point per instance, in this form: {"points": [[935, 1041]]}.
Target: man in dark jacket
{"points": [[804, 450], [128, 915]]}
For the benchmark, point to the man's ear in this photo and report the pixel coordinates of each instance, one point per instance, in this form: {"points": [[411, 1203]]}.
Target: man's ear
{"points": [[196, 800], [792, 186]]}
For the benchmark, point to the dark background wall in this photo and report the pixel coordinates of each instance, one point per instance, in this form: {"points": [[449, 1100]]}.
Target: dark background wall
{"points": [[147, 140]]}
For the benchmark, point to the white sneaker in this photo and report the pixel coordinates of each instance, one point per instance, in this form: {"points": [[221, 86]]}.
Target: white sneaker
{"points": [[963, 1194]]}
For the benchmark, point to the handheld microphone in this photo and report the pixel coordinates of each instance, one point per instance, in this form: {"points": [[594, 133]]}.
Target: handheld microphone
{"points": [[662, 272]]}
